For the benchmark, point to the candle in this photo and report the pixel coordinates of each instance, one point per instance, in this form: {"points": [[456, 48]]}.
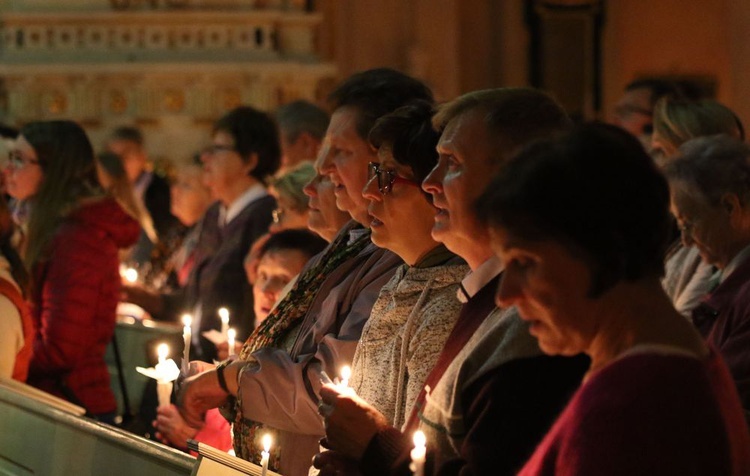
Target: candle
{"points": [[265, 454], [224, 315], [163, 386], [346, 374], [131, 275], [162, 351], [187, 334], [418, 453], [231, 335]]}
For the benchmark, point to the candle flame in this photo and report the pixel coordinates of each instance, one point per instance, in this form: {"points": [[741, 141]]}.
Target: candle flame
{"points": [[224, 315], [266, 442], [346, 372], [231, 334], [187, 320], [162, 351], [419, 439], [131, 275]]}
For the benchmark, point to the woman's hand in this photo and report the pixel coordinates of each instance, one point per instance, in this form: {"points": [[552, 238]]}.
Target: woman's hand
{"points": [[171, 427], [333, 463], [196, 367], [350, 421], [202, 392]]}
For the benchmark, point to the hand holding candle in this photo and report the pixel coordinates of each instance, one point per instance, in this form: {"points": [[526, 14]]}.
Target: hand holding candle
{"points": [[187, 335], [418, 454], [164, 373], [265, 454]]}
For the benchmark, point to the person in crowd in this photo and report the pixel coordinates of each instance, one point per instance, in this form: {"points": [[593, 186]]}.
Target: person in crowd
{"points": [[151, 190], [282, 257], [316, 325], [291, 210], [417, 308], [302, 126], [323, 216], [16, 325], [244, 153], [488, 346], [74, 233], [112, 177], [710, 190], [583, 259], [686, 279], [8, 136], [174, 256], [635, 110]]}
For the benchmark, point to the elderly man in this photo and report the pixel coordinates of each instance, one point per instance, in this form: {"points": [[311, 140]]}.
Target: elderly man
{"points": [[488, 347], [711, 201], [316, 327]]}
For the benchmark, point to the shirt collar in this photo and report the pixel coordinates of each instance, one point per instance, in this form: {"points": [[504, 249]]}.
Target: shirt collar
{"points": [[478, 278], [227, 214], [738, 259]]}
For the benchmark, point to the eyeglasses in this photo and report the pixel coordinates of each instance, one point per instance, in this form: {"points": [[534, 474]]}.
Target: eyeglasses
{"points": [[18, 161], [386, 178], [216, 148]]}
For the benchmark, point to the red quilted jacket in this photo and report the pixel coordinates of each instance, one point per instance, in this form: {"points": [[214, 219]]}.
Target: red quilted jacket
{"points": [[75, 295]]}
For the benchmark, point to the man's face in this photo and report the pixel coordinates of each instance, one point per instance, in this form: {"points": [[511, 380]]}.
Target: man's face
{"points": [[346, 163], [467, 161], [633, 112], [132, 155]]}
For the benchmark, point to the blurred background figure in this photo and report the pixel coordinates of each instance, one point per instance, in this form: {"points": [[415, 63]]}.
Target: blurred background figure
{"points": [[112, 177], [291, 203], [151, 190], [74, 233], [7, 138], [676, 121], [302, 126], [635, 109]]}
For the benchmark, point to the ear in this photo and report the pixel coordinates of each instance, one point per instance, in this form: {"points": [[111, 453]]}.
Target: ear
{"points": [[734, 208], [251, 163]]}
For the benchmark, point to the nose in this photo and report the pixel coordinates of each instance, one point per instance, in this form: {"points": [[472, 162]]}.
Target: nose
{"points": [[433, 183], [310, 187], [508, 291], [371, 191]]}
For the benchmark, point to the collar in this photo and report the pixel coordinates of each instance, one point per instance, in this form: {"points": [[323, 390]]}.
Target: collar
{"points": [[478, 278], [738, 259], [227, 214]]}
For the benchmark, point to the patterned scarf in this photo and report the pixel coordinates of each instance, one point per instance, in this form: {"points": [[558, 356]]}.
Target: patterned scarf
{"points": [[273, 330]]}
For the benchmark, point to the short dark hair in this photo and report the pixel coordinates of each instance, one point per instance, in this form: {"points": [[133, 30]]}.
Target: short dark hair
{"points": [[409, 135], [595, 190], [513, 116], [127, 133], [254, 132], [375, 93], [8, 132], [301, 116], [300, 239], [713, 166]]}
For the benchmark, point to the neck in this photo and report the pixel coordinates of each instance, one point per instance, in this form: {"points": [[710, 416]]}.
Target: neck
{"points": [[639, 313], [415, 254], [236, 189]]}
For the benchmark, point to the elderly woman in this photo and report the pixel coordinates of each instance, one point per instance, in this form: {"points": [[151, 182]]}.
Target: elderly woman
{"points": [[291, 202], [675, 122], [710, 186], [583, 256], [323, 217]]}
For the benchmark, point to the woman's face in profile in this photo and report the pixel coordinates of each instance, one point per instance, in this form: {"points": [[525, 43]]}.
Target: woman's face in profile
{"points": [[23, 173]]}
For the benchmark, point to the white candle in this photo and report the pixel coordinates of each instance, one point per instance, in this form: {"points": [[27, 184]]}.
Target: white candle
{"points": [[231, 335], [346, 374], [187, 335], [131, 275], [224, 315], [264, 455], [418, 453], [163, 386]]}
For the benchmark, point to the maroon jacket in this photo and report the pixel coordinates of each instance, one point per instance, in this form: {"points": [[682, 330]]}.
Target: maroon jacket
{"points": [[75, 294]]}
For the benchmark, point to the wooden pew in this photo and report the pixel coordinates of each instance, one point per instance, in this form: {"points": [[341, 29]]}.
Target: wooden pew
{"points": [[37, 438]]}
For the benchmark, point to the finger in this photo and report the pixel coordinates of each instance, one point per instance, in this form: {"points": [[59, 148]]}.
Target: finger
{"points": [[325, 409], [329, 393]]}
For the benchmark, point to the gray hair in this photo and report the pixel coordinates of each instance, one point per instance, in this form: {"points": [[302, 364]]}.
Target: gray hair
{"points": [[291, 184], [713, 165], [302, 116]]}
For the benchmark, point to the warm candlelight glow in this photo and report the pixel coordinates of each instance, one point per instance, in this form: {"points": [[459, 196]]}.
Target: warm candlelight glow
{"points": [[418, 454], [162, 351], [419, 439], [231, 336], [224, 315], [187, 320], [131, 275], [346, 373], [267, 442]]}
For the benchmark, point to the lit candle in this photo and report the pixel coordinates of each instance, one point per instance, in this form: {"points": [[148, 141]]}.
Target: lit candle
{"points": [[264, 455], [418, 453], [224, 315], [187, 334], [131, 275], [162, 351], [231, 335], [163, 385], [346, 374]]}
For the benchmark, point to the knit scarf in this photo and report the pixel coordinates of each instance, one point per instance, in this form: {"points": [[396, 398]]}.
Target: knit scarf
{"points": [[272, 332]]}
